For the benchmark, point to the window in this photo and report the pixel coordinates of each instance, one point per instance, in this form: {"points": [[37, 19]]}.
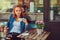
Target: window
{"points": [[54, 9], [7, 5], [37, 5]]}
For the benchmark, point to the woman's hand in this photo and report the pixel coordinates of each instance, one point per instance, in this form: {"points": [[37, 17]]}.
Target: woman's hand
{"points": [[5, 30], [25, 21]]}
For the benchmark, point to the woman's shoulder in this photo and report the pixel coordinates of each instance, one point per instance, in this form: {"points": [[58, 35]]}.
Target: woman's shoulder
{"points": [[11, 14]]}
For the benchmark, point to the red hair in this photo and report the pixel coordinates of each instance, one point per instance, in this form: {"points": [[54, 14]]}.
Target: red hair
{"points": [[14, 16]]}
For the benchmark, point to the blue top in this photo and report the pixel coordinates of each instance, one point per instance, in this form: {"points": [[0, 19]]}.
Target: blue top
{"points": [[10, 24], [16, 27]]}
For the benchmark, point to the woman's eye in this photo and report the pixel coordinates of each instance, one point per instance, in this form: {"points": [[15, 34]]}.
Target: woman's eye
{"points": [[17, 10]]}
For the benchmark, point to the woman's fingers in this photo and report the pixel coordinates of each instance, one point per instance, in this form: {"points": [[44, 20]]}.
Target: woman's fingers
{"points": [[5, 30], [25, 21]]}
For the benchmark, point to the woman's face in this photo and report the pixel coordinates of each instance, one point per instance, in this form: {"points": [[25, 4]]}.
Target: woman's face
{"points": [[18, 11]]}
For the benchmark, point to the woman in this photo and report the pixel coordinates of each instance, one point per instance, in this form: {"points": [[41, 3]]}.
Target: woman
{"points": [[16, 24]]}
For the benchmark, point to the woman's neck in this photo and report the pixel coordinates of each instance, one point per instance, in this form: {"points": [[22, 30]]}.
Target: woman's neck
{"points": [[17, 18]]}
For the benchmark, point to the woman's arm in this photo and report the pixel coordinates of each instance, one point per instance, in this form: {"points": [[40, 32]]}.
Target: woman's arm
{"points": [[6, 28], [26, 24]]}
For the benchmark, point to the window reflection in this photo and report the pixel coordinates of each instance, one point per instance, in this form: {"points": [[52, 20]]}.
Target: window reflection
{"points": [[6, 4], [54, 9], [38, 5]]}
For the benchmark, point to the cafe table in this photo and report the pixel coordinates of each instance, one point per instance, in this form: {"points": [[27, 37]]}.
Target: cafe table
{"points": [[35, 36]]}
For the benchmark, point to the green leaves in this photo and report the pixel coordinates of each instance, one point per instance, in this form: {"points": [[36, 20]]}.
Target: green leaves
{"points": [[39, 26]]}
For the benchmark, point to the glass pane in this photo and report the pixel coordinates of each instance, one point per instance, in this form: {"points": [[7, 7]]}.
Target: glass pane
{"points": [[6, 5], [37, 5], [54, 10]]}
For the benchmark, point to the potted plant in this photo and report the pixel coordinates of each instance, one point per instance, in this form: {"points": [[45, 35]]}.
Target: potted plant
{"points": [[40, 26]]}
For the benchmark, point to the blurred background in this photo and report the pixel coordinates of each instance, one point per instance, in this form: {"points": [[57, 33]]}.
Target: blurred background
{"points": [[33, 8]]}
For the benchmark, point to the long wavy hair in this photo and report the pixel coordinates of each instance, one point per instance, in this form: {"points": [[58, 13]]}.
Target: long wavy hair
{"points": [[14, 16]]}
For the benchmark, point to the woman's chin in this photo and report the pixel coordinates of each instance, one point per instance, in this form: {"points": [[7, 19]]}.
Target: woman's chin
{"points": [[18, 15]]}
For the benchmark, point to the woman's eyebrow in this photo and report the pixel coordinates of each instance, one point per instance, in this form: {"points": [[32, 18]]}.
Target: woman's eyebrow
{"points": [[18, 10]]}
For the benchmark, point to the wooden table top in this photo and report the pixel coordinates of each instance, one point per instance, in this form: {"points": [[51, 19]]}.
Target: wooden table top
{"points": [[35, 36]]}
